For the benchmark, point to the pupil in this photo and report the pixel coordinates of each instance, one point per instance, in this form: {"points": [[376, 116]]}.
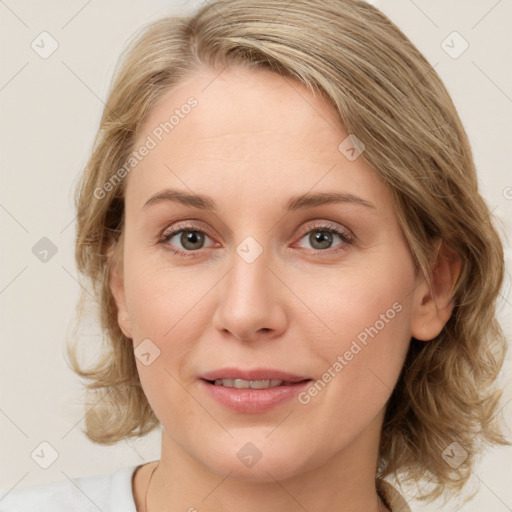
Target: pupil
{"points": [[192, 237], [323, 237]]}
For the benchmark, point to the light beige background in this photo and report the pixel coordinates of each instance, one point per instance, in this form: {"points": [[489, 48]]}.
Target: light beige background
{"points": [[50, 109]]}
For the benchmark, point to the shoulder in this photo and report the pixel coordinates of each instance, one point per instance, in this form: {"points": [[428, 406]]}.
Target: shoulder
{"points": [[390, 495], [109, 493]]}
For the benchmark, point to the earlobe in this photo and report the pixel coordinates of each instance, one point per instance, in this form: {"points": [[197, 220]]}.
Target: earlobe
{"points": [[116, 284], [433, 305]]}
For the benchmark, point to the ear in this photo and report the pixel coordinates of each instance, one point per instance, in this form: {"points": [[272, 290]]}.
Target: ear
{"points": [[116, 284], [432, 304]]}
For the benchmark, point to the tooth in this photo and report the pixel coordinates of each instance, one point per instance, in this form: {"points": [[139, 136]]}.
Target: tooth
{"points": [[241, 384], [253, 384], [259, 384]]}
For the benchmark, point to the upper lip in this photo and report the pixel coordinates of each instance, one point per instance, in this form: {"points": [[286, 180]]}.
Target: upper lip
{"points": [[252, 374]]}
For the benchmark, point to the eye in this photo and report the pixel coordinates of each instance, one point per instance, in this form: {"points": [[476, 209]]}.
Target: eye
{"points": [[190, 237], [322, 235]]}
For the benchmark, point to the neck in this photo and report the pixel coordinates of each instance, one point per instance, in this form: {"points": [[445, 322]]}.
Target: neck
{"points": [[346, 482]]}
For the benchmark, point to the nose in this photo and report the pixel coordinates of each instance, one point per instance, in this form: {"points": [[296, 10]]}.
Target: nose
{"points": [[251, 300]]}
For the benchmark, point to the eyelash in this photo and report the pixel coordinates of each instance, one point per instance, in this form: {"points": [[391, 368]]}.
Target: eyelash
{"points": [[348, 239]]}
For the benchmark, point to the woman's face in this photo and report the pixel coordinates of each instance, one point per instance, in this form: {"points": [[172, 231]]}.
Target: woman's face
{"points": [[259, 290]]}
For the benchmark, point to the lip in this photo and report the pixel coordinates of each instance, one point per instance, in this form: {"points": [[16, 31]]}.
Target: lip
{"points": [[252, 400]]}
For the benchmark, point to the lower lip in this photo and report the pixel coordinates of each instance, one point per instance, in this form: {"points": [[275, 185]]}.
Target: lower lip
{"points": [[253, 400]]}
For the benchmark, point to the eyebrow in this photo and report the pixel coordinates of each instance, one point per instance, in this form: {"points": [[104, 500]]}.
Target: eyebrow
{"points": [[307, 200]]}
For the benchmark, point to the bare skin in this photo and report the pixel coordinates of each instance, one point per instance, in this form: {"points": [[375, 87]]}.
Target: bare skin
{"points": [[251, 144]]}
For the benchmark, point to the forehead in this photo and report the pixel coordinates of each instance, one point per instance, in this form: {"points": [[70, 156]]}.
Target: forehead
{"points": [[239, 102], [250, 132]]}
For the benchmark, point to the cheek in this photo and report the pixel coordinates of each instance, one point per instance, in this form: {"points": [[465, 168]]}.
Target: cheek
{"points": [[165, 307], [163, 299], [370, 314], [364, 302], [372, 336], [169, 307]]}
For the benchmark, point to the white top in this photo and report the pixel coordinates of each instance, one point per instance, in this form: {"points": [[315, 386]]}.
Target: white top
{"points": [[112, 493], [105, 493]]}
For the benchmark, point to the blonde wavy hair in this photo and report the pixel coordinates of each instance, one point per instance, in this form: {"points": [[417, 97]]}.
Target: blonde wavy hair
{"points": [[387, 94]]}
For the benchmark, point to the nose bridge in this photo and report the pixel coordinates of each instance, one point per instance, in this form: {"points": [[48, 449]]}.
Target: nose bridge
{"points": [[248, 300], [250, 270]]}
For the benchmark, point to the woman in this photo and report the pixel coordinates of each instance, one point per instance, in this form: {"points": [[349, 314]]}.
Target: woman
{"points": [[297, 273]]}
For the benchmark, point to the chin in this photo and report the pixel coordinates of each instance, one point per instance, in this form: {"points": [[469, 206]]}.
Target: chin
{"points": [[248, 463]]}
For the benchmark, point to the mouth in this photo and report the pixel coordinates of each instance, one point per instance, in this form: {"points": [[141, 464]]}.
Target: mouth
{"points": [[252, 391], [257, 378], [251, 384]]}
